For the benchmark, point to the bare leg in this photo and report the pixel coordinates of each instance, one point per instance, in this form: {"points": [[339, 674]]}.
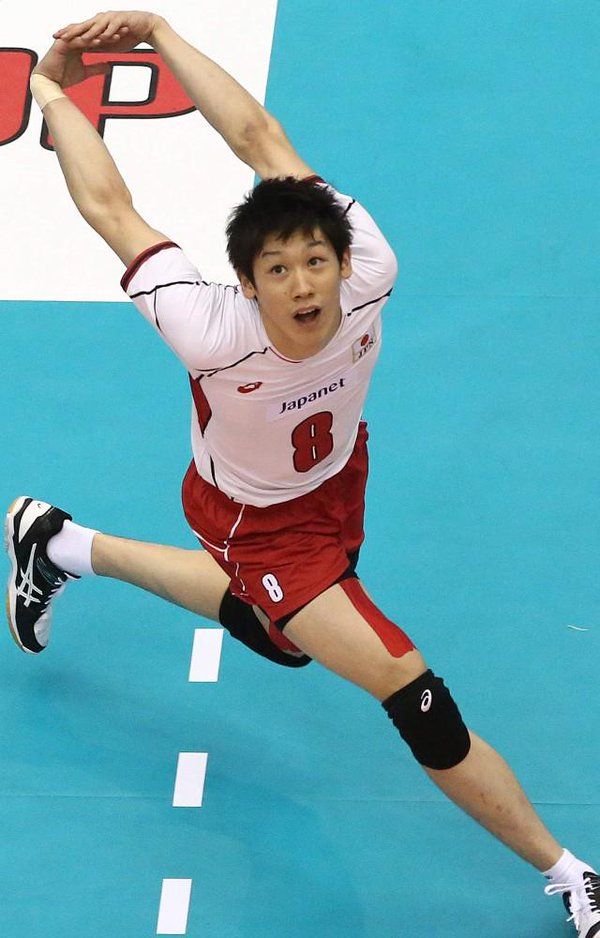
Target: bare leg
{"points": [[485, 787], [333, 632], [188, 578]]}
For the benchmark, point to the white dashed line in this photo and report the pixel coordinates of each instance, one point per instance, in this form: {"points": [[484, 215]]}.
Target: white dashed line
{"points": [[206, 655], [174, 907], [189, 781]]}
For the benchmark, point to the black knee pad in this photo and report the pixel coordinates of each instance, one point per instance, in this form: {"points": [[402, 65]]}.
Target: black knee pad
{"points": [[428, 720], [241, 622]]}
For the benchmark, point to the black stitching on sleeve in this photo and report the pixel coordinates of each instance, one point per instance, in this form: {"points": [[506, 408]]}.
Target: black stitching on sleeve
{"points": [[161, 285], [369, 302]]}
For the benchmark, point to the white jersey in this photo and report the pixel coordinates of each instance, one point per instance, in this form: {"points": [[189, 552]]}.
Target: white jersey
{"points": [[265, 428]]}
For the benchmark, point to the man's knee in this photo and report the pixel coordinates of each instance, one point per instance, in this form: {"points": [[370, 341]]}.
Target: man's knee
{"points": [[396, 673], [429, 721]]}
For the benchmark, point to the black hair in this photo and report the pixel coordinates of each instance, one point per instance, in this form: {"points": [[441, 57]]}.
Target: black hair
{"points": [[282, 207]]}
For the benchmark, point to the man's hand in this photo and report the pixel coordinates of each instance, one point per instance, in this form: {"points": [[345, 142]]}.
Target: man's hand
{"points": [[64, 65], [117, 31], [253, 134]]}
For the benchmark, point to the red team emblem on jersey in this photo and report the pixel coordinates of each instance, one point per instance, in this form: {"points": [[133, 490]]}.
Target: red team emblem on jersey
{"points": [[246, 388], [362, 346]]}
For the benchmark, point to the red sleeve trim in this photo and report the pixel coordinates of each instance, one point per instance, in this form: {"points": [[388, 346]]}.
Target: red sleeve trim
{"points": [[314, 178], [139, 260]]}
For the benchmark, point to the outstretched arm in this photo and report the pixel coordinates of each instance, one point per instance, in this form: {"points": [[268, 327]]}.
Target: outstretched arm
{"points": [[253, 134], [93, 180]]}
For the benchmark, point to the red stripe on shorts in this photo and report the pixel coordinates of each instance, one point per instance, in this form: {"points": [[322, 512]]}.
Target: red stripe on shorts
{"points": [[283, 643], [394, 639]]}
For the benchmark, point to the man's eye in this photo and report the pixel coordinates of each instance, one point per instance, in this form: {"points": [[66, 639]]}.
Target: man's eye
{"points": [[318, 259], [276, 268]]}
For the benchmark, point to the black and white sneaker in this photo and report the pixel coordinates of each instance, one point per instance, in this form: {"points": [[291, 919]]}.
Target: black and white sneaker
{"points": [[582, 901], [34, 580]]}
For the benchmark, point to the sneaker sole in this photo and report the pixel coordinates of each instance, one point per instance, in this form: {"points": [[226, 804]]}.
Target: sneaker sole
{"points": [[11, 588]]}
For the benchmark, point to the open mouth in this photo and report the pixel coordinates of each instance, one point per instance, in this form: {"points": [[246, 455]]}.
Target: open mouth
{"points": [[309, 316]]}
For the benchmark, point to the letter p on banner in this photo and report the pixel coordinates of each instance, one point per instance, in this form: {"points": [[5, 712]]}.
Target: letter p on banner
{"points": [[166, 97]]}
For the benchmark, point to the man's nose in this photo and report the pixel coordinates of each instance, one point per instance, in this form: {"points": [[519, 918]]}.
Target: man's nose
{"points": [[301, 285]]}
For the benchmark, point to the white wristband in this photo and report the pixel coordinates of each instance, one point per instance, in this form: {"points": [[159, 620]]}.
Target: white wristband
{"points": [[44, 90]]}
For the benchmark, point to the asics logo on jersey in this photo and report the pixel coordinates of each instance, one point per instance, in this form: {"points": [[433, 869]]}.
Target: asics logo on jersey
{"points": [[426, 698], [299, 402], [246, 388], [27, 587]]}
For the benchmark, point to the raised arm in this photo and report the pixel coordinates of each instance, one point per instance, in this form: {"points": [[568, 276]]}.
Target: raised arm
{"points": [[93, 180], [253, 134]]}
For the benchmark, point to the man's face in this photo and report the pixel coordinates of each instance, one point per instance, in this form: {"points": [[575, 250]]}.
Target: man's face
{"points": [[297, 287]]}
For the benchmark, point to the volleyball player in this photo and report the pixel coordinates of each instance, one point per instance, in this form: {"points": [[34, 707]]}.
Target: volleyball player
{"points": [[279, 367]]}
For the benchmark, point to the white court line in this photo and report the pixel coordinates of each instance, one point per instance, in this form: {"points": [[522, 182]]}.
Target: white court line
{"points": [[174, 907], [206, 655], [189, 781]]}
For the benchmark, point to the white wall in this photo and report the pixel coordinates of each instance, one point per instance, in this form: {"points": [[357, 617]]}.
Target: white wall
{"points": [[183, 178]]}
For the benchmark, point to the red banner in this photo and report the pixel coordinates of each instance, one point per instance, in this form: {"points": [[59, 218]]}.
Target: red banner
{"points": [[16, 66], [166, 97]]}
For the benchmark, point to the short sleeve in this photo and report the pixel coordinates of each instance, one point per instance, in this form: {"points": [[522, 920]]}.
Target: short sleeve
{"points": [[374, 264], [196, 319]]}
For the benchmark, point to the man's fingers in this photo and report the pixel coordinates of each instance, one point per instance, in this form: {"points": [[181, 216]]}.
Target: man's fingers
{"points": [[63, 29], [106, 40], [101, 69], [76, 43], [107, 33], [101, 32], [74, 29], [104, 43], [99, 26]]}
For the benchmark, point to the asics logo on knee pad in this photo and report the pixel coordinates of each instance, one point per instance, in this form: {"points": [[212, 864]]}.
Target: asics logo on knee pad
{"points": [[442, 740]]}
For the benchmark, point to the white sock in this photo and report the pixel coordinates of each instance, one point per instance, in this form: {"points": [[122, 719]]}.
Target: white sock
{"points": [[568, 869], [71, 549]]}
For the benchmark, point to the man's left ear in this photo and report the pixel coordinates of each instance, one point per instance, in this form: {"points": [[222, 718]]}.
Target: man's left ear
{"points": [[247, 287], [346, 265]]}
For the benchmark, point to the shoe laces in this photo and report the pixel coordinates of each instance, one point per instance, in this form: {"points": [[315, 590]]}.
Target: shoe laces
{"points": [[584, 896]]}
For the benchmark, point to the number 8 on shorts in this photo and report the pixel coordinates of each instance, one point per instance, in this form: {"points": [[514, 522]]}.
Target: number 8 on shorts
{"points": [[271, 584]]}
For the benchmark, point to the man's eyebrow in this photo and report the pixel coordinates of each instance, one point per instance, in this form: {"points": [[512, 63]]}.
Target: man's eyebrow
{"points": [[311, 244]]}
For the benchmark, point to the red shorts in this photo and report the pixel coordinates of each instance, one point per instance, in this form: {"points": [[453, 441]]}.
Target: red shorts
{"points": [[281, 556]]}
